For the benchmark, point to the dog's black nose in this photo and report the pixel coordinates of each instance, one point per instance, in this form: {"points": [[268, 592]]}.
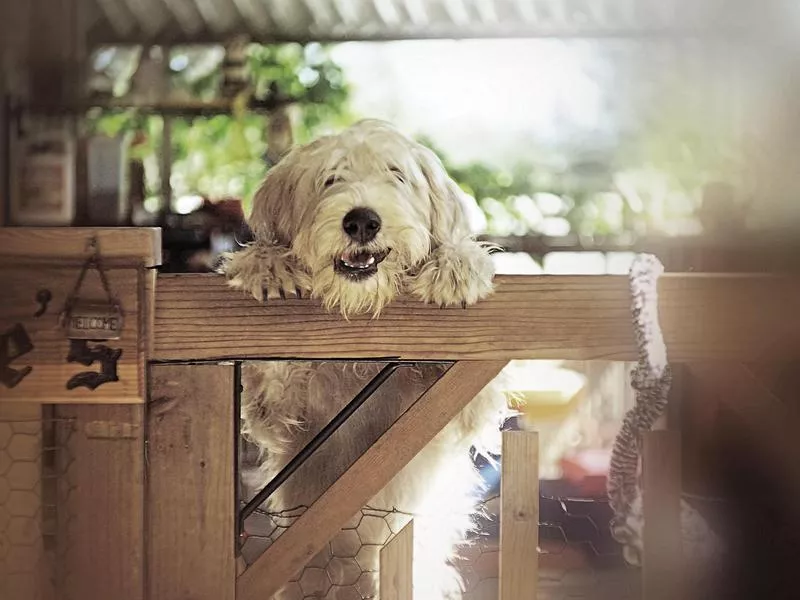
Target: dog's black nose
{"points": [[361, 224]]}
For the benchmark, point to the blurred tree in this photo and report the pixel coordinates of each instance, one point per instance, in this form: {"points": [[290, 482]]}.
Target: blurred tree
{"points": [[223, 155], [531, 198]]}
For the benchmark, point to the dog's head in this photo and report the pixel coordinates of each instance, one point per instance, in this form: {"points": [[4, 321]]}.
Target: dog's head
{"points": [[360, 210]]}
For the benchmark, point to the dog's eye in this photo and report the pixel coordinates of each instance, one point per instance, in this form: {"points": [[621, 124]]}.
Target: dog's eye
{"points": [[331, 180], [398, 174]]}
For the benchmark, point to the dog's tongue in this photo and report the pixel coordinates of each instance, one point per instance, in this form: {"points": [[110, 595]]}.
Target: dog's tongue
{"points": [[360, 260]]}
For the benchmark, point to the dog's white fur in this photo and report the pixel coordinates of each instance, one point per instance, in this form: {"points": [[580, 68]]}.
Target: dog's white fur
{"points": [[298, 234], [297, 224]]}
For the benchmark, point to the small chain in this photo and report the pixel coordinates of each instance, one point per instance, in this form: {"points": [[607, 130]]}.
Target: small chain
{"points": [[93, 260]]}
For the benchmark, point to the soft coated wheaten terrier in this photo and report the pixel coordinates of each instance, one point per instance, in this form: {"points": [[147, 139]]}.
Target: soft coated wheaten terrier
{"points": [[353, 220]]}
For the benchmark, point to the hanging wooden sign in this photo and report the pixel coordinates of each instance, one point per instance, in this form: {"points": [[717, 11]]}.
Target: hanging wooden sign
{"points": [[92, 319]]}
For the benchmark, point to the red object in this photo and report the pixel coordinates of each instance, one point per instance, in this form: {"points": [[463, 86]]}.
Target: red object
{"points": [[587, 470]]}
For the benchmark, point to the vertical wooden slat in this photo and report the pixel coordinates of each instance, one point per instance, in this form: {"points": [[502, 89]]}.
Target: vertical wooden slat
{"points": [[5, 150], [190, 468], [100, 451], [165, 169], [519, 516], [679, 389], [396, 567], [661, 577]]}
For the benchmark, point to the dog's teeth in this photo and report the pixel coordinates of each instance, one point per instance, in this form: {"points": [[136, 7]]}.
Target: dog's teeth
{"points": [[365, 264]]}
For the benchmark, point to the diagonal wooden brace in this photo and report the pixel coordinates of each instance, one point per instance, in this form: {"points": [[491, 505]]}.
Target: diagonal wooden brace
{"points": [[365, 478]]}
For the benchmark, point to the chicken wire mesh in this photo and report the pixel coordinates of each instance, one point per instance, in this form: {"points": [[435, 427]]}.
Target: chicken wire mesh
{"points": [[344, 568], [577, 557], [33, 458]]}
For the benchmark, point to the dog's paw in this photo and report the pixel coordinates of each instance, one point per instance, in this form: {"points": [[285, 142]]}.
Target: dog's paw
{"points": [[266, 272], [455, 275]]}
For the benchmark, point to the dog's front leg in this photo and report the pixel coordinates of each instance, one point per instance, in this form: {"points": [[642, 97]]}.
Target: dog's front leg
{"points": [[266, 271], [455, 273]]}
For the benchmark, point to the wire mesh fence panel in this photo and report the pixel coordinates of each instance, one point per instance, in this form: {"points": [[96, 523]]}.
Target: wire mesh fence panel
{"points": [[29, 479], [577, 557], [345, 568], [71, 524]]}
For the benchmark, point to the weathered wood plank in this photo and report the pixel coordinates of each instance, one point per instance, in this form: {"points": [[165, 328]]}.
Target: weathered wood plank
{"points": [[661, 468], [735, 317], [139, 245], [190, 471], [397, 562], [365, 478], [42, 345], [519, 516], [100, 453]]}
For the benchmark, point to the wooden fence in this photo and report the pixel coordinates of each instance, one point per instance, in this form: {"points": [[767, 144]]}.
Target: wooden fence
{"points": [[134, 488]]}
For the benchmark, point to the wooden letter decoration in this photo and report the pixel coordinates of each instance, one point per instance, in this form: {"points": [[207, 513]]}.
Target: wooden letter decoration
{"points": [[14, 344], [43, 298], [80, 353], [65, 370]]}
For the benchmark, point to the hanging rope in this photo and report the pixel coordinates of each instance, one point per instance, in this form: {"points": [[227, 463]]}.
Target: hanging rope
{"points": [[651, 380]]}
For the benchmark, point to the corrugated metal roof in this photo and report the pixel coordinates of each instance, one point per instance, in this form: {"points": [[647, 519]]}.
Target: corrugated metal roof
{"points": [[187, 21]]}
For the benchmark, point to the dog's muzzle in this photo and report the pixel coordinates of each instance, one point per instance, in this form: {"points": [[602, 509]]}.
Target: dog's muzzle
{"points": [[359, 265]]}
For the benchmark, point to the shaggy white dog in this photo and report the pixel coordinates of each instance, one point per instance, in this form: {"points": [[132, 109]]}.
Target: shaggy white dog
{"points": [[354, 220]]}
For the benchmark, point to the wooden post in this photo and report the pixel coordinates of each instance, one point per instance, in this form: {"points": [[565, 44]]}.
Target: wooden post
{"points": [[165, 169], [78, 478], [519, 516], [100, 453], [190, 495], [396, 566], [661, 573]]}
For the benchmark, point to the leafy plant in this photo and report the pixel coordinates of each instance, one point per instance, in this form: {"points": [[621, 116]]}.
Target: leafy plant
{"points": [[222, 155]]}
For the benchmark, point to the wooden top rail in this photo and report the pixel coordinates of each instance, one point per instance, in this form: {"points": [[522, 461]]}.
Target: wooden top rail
{"points": [[732, 317], [53, 244]]}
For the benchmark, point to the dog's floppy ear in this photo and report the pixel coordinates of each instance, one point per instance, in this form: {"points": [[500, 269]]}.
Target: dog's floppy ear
{"points": [[268, 221], [449, 223]]}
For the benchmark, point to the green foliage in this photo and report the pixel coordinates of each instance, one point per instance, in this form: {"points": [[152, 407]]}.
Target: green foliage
{"points": [[223, 155], [529, 198], [685, 140], [307, 73]]}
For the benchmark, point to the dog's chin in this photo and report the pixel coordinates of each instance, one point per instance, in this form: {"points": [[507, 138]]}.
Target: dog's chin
{"points": [[366, 290], [359, 265]]}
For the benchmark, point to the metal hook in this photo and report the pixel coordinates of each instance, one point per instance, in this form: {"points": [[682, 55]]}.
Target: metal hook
{"points": [[92, 245]]}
